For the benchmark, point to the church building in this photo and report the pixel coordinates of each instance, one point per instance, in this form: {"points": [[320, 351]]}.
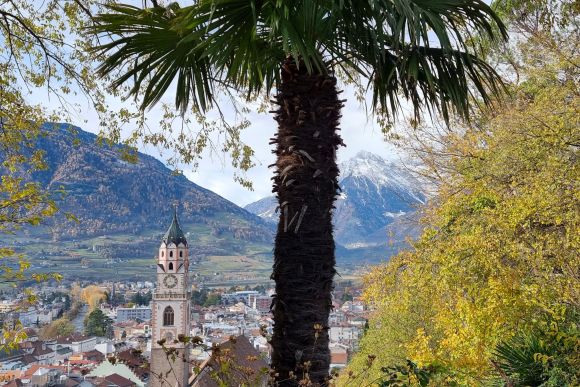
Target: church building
{"points": [[171, 311]]}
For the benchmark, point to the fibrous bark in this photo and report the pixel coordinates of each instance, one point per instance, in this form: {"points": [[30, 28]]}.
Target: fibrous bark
{"points": [[305, 181]]}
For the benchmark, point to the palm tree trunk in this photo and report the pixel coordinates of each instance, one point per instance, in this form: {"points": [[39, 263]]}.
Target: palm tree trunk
{"points": [[305, 182]]}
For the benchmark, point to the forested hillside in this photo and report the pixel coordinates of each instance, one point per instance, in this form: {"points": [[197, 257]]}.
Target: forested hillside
{"points": [[489, 294]]}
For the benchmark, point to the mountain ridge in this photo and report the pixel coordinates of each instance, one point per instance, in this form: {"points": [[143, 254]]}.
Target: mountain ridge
{"points": [[377, 197], [108, 194], [124, 208]]}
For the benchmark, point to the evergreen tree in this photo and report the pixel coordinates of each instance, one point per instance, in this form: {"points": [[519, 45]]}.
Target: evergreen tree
{"points": [[98, 324]]}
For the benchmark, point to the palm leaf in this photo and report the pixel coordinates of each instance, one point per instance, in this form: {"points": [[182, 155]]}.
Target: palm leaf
{"points": [[240, 44], [148, 40], [517, 359]]}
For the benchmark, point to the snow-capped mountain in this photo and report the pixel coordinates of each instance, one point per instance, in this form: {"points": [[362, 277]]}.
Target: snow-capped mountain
{"points": [[378, 199], [265, 208], [375, 192]]}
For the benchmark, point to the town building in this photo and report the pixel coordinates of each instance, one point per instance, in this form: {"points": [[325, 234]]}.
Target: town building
{"points": [[233, 363], [241, 296], [171, 310], [260, 303], [142, 313]]}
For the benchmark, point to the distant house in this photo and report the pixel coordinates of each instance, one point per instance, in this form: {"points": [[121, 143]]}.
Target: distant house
{"points": [[344, 333], [44, 355], [45, 377], [116, 380], [338, 356], [42, 375], [62, 354], [260, 303], [77, 343], [142, 313], [128, 364], [235, 362]]}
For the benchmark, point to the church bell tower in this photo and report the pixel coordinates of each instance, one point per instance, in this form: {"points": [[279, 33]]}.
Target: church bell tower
{"points": [[170, 310]]}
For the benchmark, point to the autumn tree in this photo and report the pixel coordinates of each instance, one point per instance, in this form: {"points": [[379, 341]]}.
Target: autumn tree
{"points": [[499, 254], [42, 58], [93, 295], [58, 328]]}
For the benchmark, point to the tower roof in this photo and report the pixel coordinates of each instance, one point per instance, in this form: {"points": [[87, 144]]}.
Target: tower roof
{"points": [[174, 234]]}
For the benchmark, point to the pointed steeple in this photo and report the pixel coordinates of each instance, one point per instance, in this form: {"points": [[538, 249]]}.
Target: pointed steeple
{"points": [[174, 234]]}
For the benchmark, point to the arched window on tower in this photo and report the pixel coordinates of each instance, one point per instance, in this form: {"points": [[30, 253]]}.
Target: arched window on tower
{"points": [[181, 254], [162, 254], [170, 265], [171, 254], [168, 317]]}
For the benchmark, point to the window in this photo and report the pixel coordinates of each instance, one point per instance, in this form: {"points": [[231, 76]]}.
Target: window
{"points": [[180, 254], [171, 254], [168, 316], [170, 265], [162, 254]]}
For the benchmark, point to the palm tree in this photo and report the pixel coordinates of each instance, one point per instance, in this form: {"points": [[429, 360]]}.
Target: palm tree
{"points": [[295, 48]]}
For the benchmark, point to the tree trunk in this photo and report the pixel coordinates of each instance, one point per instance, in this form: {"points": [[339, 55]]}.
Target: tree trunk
{"points": [[305, 182]]}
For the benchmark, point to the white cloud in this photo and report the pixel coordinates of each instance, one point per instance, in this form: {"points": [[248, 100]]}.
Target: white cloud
{"points": [[215, 172]]}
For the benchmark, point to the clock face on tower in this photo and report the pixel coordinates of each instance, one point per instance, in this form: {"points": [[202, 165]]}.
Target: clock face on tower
{"points": [[170, 281]]}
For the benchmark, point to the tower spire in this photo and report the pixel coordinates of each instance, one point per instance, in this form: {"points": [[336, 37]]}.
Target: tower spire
{"points": [[174, 233], [170, 310]]}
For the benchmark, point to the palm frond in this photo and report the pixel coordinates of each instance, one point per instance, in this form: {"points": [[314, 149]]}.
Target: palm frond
{"points": [[443, 82], [418, 50], [408, 49], [517, 358], [146, 42]]}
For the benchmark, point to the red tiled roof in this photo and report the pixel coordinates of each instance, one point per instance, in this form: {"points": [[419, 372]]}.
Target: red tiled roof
{"points": [[338, 358], [135, 361], [119, 380], [93, 355]]}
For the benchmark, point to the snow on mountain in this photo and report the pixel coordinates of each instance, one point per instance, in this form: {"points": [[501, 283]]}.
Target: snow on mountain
{"points": [[374, 170], [265, 208], [377, 193], [377, 196]]}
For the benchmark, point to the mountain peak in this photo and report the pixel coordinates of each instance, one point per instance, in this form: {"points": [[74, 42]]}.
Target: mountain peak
{"points": [[364, 163], [364, 154], [375, 194]]}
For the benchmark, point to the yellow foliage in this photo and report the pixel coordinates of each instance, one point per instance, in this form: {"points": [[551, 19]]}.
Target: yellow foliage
{"points": [[501, 244], [57, 328], [92, 295]]}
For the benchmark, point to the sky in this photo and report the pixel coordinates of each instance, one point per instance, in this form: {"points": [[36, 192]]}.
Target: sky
{"points": [[214, 172], [358, 130]]}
